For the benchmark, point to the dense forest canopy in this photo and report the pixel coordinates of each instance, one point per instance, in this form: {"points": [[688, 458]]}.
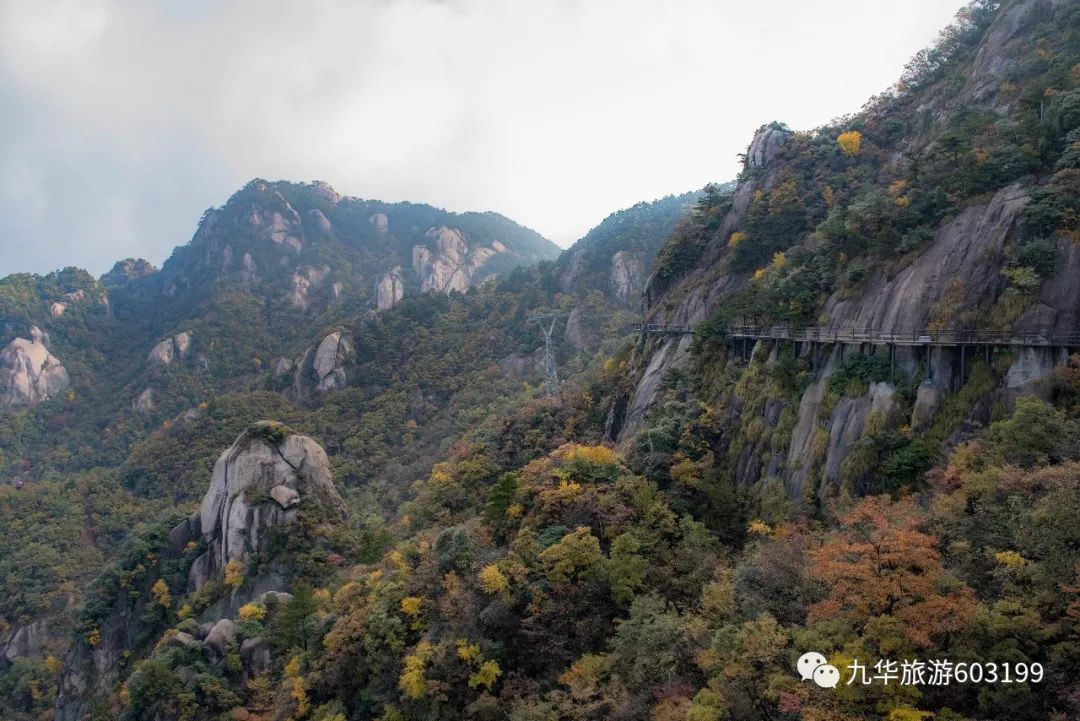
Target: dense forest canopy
{"points": [[663, 537]]}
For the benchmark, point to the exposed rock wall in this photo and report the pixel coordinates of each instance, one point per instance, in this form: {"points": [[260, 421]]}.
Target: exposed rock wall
{"points": [[330, 358], [380, 222], [1057, 310], [29, 373], [968, 249], [322, 367], [26, 639], [452, 265], [277, 221], [259, 483], [301, 283], [627, 277], [144, 402], [166, 351], [390, 289]]}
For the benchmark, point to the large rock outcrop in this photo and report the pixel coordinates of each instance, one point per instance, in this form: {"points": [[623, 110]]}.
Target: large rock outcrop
{"points": [[25, 640], [330, 358], [272, 217], [322, 368], [302, 282], [390, 289], [261, 482], [29, 373], [766, 144], [144, 402], [451, 265], [380, 222], [127, 270], [967, 250], [173, 348], [627, 276]]}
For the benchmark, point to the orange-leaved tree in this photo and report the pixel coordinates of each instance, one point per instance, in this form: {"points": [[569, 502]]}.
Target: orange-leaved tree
{"points": [[880, 567]]}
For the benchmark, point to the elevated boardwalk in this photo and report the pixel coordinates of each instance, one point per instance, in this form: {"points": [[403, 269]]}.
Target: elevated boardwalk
{"points": [[920, 337]]}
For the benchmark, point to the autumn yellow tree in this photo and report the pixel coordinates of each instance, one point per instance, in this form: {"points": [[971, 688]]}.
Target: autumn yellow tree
{"points": [[850, 142], [161, 593], [493, 581]]}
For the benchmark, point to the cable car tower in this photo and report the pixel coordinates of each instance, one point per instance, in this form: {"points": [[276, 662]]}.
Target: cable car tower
{"points": [[547, 322]]}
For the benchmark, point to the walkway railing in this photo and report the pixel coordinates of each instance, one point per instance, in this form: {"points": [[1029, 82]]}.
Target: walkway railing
{"points": [[918, 336]]}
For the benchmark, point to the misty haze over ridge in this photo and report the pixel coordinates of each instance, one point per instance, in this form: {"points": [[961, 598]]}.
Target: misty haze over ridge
{"points": [[125, 122]]}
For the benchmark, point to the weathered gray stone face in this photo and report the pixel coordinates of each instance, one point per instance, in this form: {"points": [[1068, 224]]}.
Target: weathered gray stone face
{"points": [[1031, 371], [390, 288], [170, 349], [994, 59], [25, 640], [380, 222], [451, 265], [800, 458], [302, 282], [332, 355], [217, 642], [847, 423], [928, 400], [285, 497], [967, 249], [765, 145], [29, 373], [673, 353], [181, 639], [1058, 309], [282, 366], [144, 402], [319, 222], [277, 221], [248, 271], [255, 655], [257, 485], [575, 333], [627, 277]]}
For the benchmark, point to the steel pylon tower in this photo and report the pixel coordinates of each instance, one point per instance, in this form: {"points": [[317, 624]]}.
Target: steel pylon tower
{"points": [[551, 369]]}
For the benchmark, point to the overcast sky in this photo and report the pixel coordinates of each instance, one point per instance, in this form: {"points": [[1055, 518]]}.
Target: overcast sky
{"points": [[121, 121]]}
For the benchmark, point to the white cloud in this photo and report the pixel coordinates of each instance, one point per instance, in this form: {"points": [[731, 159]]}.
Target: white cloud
{"points": [[552, 112]]}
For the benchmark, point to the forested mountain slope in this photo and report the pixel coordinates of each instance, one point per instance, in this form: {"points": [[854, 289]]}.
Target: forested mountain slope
{"points": [[617, 254], [396, 522], [278, 308]]}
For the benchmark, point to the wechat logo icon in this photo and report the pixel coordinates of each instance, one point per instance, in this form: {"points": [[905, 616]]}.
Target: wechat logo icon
{"points": [[814, 666]]}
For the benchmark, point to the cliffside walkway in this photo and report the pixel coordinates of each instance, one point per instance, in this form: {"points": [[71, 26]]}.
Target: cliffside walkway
{"points": [[918, 337]]}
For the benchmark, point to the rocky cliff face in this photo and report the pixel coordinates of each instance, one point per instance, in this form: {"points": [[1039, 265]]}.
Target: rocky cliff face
{"points": [[302, 282], [451, 264], [29, 373], [127, 270], [329, 361], [956, 277], [390, 288], [258, 484], [968, 250], [627, 276], [615, 256], [309, 244], [170, 349]]}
